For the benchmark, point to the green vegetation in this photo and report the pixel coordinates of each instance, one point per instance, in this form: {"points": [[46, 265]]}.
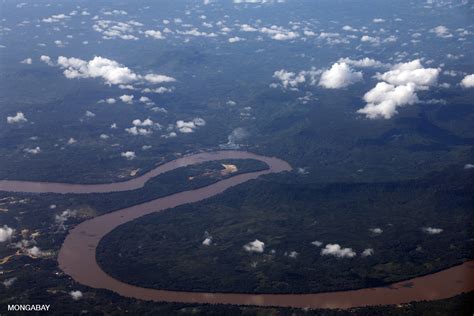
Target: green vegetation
{"points": [[165, 250]]}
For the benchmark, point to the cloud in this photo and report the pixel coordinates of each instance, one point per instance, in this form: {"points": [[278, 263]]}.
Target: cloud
{"points": [[302, 170], [6, 233], [247, 28], [197, 33], [291, 80], [317, 243], [159, 90], [255, 246], [275, 32], [140, 127], [258, 1], [331, 38], [411, 72], [349, 28], [236, 136], [370, 39], [367, 252], [278, 33], [33, 151], [378, 20], [60, 219], [156, 79], [9, 282], [337, 251], [469, 166], [432, 231], [384, 99], [27, 61], [23, 244], [126, 98], [398, 89], [47, 60], [441, 31], [56, 18], [339, 76], [363, 63], [112, 72], [169, 135], [146, 100], [207, 241], [18, 118], [110, 101], [116, 12], [235, 39], [376, 230], [156, 34], [59, 43], [76, 295], [35, 252], [189, 127], [468, 81], [109, 70], [90, 114], [129, 155], [146, 122], [117, 30]]}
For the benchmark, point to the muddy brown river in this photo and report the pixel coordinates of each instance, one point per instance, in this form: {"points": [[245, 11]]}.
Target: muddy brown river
{"points": [[77, 256]]}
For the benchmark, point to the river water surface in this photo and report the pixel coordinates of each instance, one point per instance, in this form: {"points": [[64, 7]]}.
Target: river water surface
{"points": [[77, 256]]}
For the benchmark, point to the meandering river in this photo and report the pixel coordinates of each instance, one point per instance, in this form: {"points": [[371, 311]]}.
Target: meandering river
{"points": [[77, 256]]}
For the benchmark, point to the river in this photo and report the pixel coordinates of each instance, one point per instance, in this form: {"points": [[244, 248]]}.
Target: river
{"points": [[77, 256]]}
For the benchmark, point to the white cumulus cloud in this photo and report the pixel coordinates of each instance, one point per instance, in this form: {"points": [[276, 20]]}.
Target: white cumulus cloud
{"points": [[411, 72], [189, 127], [398, 89], [441, 31], [384, 99], [112, 72], [47, 60], [255, 246], [207, 241], [376, 230], [432, 230], [126, 98], [468, 81], [6, 233], [337, 251], [363, 63], [156, 34], [76, 295], [18, 118], [339, 76], [27, 61], [367, 252], [33, 151], [129, 155]]}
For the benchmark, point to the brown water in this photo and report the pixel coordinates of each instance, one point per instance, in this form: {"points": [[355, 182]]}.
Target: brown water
{"points": [[138, 182], [77, 256]]}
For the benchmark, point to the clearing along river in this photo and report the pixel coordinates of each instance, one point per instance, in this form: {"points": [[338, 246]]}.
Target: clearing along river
{"points": [[77, 256]]}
